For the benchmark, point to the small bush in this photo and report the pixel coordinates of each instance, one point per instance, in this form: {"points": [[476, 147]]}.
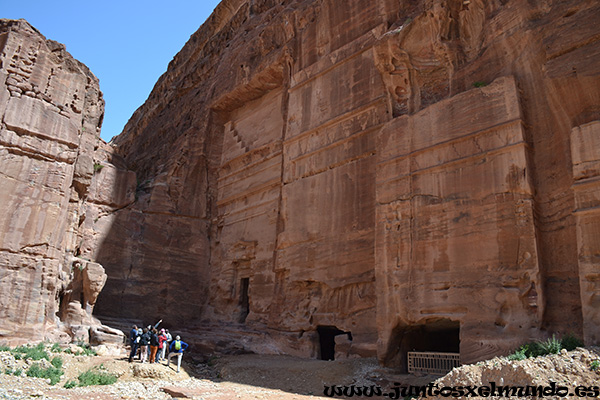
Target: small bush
{"points": [[542, 348], [95, 377], [87, 350], [35, 353], [8, 371], [56, 348], [571, 342], [98, 167], [595, 365], [4, 348], [18, 372], [52, 373], [479, 84], [70, 384], [518, 355], [57, 362]]}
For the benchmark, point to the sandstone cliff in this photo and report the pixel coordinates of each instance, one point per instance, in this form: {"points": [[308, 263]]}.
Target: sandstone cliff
{"points": [[421, 174], [57, 180]]}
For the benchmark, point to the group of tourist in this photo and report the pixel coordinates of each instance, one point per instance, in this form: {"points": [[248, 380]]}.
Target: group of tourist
{"points": [[155, 345]]}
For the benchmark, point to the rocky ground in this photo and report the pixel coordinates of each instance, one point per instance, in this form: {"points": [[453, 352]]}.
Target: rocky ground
{"points": [[275, 377]]}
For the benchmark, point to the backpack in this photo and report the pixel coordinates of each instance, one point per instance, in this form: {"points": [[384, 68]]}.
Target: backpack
{"points": [[178, 345]]}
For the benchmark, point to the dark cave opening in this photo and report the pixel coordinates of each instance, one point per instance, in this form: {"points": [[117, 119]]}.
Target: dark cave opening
{"points": [[440, 335], [244, 299], [327, 336]]}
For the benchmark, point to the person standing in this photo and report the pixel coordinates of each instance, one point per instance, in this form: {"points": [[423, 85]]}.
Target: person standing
{"points": [[169, 339], [177, 348], [162, 345], [144, 342], [153, 345], [134, 341]]}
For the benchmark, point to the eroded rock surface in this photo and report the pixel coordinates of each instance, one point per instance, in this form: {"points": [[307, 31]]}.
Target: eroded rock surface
{"points": [[57, 179], [404, 174]]}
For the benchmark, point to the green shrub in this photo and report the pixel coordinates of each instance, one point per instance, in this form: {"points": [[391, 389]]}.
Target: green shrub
{"points": [[95, 377], [52, 373], [87, 350], [595, 365], [479, 84], [70, 384], [4, 348], [8, 371], [35, 353], [57, 362], [571, 342], [541, 348], [98, 167], [518, 355], [56, 348], [17, 372]]}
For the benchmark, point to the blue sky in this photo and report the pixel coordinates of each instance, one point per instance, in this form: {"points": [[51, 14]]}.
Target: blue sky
{"points": [[126, 44]]}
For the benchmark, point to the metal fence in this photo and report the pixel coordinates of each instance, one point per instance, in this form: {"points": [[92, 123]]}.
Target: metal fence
{"points": [[432, 363]]}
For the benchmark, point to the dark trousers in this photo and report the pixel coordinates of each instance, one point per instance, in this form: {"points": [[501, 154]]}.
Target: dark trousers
{"points": [[134, 347]]}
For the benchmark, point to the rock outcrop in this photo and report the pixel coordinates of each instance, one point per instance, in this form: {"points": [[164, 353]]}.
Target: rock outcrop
{"points": [[58, 182]]}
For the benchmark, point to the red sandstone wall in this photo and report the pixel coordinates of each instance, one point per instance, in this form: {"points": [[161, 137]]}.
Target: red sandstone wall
{"points": [[59, 185], [340, 157]]}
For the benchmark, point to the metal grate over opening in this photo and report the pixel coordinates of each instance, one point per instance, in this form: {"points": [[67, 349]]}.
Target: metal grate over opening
{"points": [[432, 363]]}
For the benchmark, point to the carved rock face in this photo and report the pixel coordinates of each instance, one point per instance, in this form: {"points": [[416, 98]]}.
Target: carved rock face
{"points": [[53, 186], [397, 170]]}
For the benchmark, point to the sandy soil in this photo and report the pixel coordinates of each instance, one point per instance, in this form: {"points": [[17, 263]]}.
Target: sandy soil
{"points": [[219, 378]]}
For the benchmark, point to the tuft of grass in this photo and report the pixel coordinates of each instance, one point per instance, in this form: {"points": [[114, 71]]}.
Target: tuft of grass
{"points": [[95, 377], [5, 348], [18, 372], [98, 167], [52, 373], [595, 365], [550, 346], [8, 371], [479, 84]]}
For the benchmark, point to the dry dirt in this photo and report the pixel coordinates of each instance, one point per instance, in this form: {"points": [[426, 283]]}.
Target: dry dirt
{"points": [[248, 376], [269, 377]]}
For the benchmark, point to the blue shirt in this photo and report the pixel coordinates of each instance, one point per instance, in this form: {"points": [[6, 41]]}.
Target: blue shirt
{"points": [[184, 346]]}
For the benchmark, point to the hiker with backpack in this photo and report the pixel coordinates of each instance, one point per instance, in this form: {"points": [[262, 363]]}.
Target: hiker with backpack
{"points": [[177, 348]]}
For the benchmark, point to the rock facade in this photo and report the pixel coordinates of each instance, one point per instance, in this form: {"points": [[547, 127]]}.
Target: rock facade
{"points": [[407, 175], [57, 180]]}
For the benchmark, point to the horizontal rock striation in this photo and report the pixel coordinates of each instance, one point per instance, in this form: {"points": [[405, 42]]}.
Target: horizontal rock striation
{"points": [[57, 182]]}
